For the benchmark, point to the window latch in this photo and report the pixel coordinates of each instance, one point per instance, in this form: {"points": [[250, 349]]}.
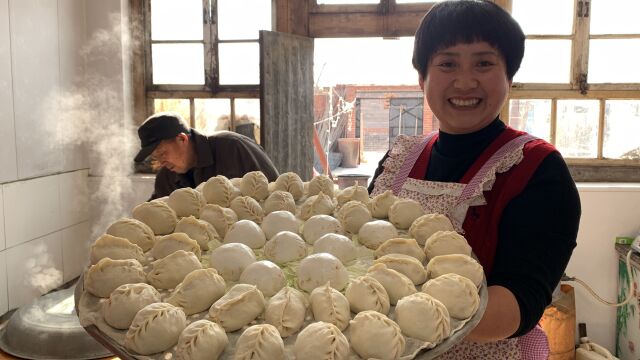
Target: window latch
{"points": [[583, 8], [584, 86]]}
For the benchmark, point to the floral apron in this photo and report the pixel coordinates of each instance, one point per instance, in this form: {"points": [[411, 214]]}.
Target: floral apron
{"points": [[453, 200]]}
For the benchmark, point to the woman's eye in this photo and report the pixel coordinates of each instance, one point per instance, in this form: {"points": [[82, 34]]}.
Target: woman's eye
{"points": [[446, 64], [485, 63]]}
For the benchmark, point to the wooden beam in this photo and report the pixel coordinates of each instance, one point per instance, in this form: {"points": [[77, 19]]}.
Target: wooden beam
{"points": [[136, 26], [292, 16], [326, 25]]}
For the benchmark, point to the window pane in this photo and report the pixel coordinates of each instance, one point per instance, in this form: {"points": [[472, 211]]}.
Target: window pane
{"points": [[212, 115], [181, 106], [614, 61], [577, 128], [239, 63], [532, 116], [545, 61], [236, 22], [348, 1], [178, 63], [176, 20], [615, 17], [247, 118], [621, 129], [333, 61], [559, 21]]}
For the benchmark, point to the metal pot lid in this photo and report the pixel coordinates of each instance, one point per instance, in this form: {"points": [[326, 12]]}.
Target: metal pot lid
{"points": [[48, 328]]}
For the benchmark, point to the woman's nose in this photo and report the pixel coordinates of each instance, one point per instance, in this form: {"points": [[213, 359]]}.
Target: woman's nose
{"points": [[465, 81]]}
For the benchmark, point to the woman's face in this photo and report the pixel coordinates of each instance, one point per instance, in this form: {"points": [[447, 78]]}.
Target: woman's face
{"points": [[466, 86]]}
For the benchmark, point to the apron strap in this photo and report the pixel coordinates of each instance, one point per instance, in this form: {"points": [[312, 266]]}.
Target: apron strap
{"points": [[408, 163], [469, 189]]}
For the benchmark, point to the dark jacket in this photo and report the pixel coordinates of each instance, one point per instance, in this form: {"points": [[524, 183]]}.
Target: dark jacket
{"points": [[225, 153]]}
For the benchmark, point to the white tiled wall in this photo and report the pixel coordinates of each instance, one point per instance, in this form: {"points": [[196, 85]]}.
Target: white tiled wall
{"points": [[75, 249], [4, 297], [47, 232], [7, 129], [72, 71], [36, 79], [34, 268], [32, 209], [44, 197], [2, 236], [74, 197]]}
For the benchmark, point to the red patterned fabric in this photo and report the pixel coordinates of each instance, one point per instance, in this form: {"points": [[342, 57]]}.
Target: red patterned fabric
{"points": [[534, 345]]}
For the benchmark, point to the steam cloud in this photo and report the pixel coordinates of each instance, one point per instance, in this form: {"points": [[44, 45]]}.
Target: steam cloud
{"points": [[94, 115]]}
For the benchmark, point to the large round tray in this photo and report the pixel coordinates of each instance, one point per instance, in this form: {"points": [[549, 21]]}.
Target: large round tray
{"points": [[423, 354]]}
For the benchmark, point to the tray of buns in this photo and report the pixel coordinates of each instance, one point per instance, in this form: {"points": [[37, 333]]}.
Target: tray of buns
{"points": [[247, 269]]}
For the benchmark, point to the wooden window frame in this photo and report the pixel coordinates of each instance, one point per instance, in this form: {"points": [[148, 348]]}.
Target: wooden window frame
{"points": [[145, 92]]}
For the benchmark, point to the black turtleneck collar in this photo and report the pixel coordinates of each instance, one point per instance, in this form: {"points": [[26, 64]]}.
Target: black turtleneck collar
{"points": [[453, 154], [454, 145]]}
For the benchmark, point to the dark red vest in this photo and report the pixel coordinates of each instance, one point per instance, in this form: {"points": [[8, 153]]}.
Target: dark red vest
{"points": [[481, 223]]}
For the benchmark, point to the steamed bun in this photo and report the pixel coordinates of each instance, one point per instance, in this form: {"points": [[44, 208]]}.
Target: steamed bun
{"points": [[133, 230], [427, 225], [291, 183], [279, 200], [403, 212], [221, 218], [255, 184], [321, 183], [320, 225], [218, 190], [374, 233], [186, 202], [157, 215]]}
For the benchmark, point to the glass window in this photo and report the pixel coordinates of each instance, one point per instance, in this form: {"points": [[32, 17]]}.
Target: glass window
{"points": [[615, 17], [545, 61], [178, 64], [333, 61], [235, 22], [621, 129], [529, 13], [247, 118], [176, 20], [577, 128], [181, 106], [532, 116], [239, 63], [614, 61], [212, 115]]}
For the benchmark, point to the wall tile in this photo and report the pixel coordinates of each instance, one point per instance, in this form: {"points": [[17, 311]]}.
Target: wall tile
{"points": [[4, 296], [72, 35], [3, 243], [31, 208], [75, 249], [34, 268], [36, 80], [74, 197], [8, 162]]}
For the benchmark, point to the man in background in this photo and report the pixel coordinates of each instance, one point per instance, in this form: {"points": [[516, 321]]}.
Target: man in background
{"points": [[188, 158]]}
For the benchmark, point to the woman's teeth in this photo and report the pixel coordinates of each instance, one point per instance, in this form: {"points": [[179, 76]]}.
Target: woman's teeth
{"points": [[465, 102]]}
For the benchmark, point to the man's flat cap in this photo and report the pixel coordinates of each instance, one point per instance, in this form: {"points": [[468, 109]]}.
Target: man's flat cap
{"points": [[158, 127]]}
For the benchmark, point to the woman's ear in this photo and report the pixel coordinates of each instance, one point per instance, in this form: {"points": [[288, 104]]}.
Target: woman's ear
{"points": [[421, 81], [182, 137]]}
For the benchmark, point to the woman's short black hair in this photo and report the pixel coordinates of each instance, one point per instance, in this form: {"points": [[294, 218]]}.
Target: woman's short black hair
{"points": [[466, 21]]}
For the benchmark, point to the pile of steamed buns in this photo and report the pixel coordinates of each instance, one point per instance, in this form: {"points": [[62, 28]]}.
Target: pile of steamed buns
{"points": [[149, 270]]}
